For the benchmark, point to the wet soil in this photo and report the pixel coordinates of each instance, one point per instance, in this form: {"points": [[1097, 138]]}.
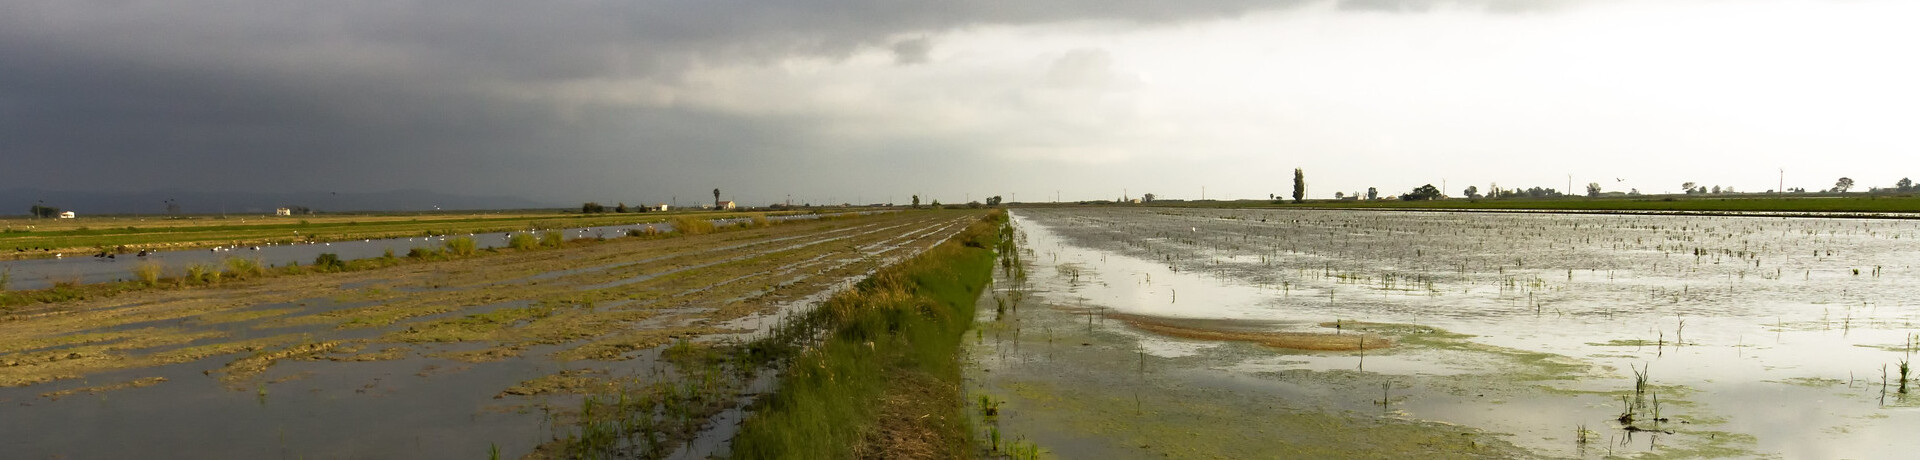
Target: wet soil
{"points": [[408, 360]]}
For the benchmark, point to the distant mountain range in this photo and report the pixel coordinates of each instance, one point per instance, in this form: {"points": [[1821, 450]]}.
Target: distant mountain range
{"points": [[18, 201]]}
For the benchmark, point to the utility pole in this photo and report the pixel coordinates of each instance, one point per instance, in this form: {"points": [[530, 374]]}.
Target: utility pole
{"points": [[1569, 184]]}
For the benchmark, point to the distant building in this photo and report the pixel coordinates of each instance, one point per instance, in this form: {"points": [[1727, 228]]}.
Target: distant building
{"points": [[660, 207], [282, 212], [67, 215], [726, 205]]}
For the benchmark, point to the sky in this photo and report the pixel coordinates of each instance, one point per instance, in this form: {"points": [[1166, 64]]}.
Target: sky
{"points": [[864, 101]]}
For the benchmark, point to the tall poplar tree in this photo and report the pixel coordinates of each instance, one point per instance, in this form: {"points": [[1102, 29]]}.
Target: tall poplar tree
{"points": [[1299, 185]]}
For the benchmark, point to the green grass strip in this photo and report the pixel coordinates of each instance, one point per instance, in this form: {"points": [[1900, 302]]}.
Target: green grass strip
{"points": [[892, 341]]}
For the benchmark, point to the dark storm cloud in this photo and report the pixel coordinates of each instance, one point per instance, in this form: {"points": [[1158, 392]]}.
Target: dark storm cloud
{"points": [[270, 94], [912, 51]]}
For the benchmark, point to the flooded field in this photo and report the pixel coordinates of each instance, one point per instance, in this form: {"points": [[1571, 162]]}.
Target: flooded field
{"points": [[466, 358], [1156, 333]]}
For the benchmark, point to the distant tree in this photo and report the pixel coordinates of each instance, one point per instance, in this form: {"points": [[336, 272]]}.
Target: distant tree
{"points": [[44, 212], [716, 198], [1716, 190], [1905, 184], [592, 208], [1422, 193], [1593, 189], [173, 207], [916, 201], [1843, 184], [1373, 193], [1299, 185], [936, 204], [1688, 187], [1147, 198], [1634, 192], [622, 208], [995, 200], [1471, 192], [1726, 189], [1532, 192], [1339, 195]]}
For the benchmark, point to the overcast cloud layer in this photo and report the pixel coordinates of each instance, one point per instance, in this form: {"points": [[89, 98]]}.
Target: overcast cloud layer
{"points": [[870, 101]]}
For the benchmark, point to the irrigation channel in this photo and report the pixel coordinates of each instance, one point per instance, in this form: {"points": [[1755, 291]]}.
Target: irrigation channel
{"points": [[465, 358], [1156, 333]]}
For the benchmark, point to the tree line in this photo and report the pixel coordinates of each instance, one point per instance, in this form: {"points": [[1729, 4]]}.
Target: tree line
{"points": [[1593, 190]]}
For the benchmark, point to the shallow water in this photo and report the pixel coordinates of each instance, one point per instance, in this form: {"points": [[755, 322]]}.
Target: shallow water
{"points": [[1758, 335], [87, 269]]}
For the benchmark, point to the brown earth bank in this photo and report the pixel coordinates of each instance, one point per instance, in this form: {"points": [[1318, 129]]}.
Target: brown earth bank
{"points": [[1248, 331]]}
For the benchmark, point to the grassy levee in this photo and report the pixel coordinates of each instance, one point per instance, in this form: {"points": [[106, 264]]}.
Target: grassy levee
{"points": [[885, 381]]}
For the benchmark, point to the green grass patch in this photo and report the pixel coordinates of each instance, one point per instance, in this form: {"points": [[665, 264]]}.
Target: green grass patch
{"points": [[905, 324]]}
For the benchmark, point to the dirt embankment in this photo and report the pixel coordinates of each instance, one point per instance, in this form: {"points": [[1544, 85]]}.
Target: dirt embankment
{"points": [[1247, 332]]}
